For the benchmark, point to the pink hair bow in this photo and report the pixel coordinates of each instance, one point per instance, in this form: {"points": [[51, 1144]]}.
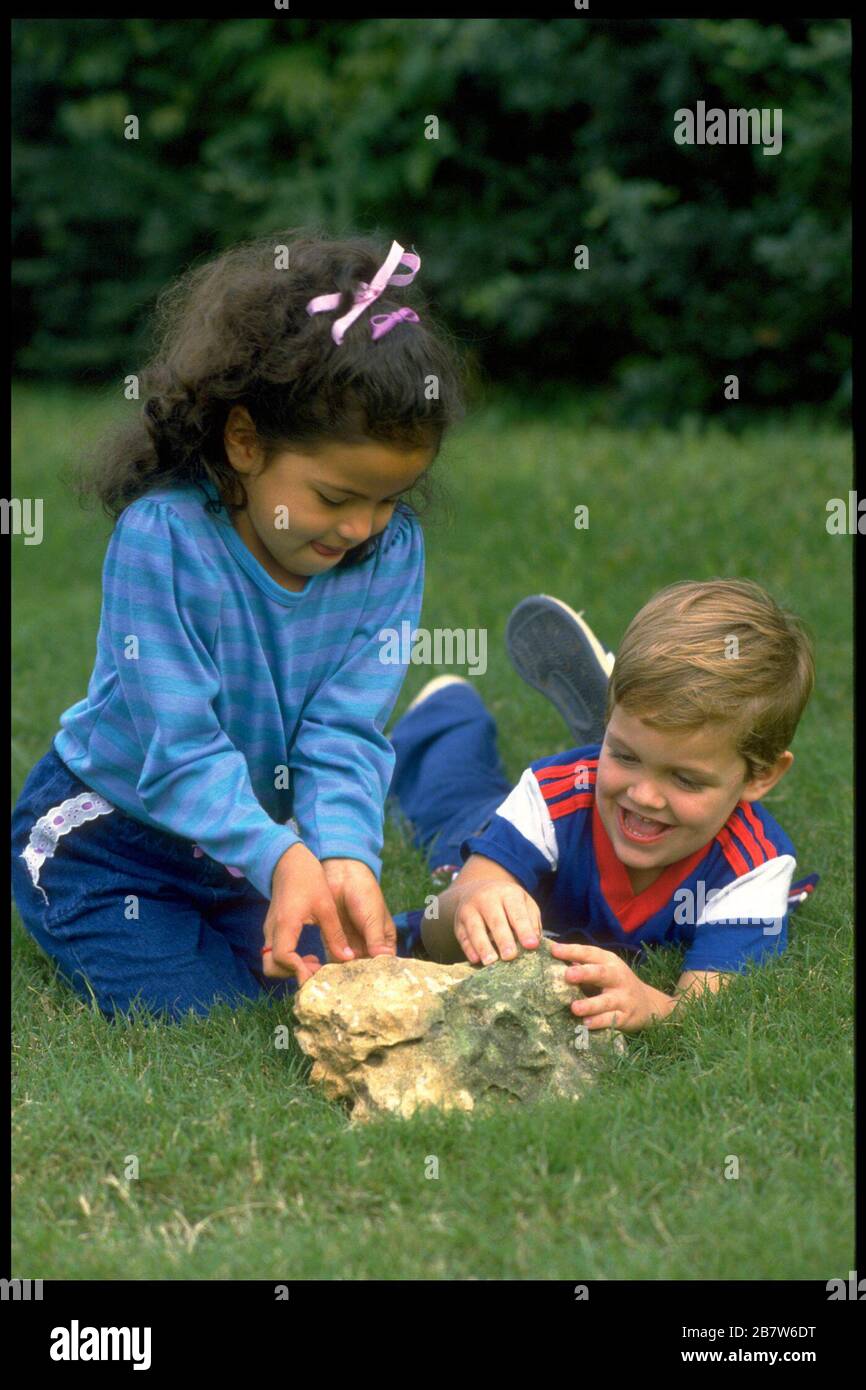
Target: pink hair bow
{"points": [[383, 323], [365, 294]]}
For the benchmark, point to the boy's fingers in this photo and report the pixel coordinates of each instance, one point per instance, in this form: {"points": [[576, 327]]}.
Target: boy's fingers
{"points": [[564, 951], [597, 1004], [461, 936], [608, 1020], [523, 922], [586, 974], [475, 928], [572, 950], [499, 928]]}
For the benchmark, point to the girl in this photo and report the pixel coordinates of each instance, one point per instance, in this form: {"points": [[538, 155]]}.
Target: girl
{"points": [[220, 788]]}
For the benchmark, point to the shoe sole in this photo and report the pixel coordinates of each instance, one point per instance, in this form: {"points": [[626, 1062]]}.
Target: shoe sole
{"points": [[558, 654]]}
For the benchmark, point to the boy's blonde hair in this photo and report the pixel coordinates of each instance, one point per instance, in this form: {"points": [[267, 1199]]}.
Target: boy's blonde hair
{"points": [[721, 651]]}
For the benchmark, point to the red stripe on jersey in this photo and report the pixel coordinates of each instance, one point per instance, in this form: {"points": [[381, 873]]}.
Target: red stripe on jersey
{"points": [[633, 909], [543, 773], [578, 776], [737, 826], [731, 853], [760, 835], [574, 803], [569, 784]]}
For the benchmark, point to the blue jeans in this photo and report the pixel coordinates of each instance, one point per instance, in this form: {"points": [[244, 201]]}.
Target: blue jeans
{"points": [[448, 781], [134, 912], [448, 778]]}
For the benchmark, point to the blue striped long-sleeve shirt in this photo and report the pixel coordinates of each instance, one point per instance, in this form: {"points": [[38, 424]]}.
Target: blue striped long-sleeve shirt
{"points": [[221, 704]]}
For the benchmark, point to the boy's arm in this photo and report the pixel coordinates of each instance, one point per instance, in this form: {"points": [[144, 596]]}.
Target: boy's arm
{"points": [[694, 982], [437, 933]]}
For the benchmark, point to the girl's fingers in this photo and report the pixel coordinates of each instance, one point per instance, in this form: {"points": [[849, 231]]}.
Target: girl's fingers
{"points": [[314, 964], [303, 969], [328, 921], [281, 960], [354, 938], [389, 931], [352, 923], [380, 933], [287, 964]]}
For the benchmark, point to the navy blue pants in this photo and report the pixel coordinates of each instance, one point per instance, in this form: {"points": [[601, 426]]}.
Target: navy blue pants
{"points": [[448, 778], [127, 911]]}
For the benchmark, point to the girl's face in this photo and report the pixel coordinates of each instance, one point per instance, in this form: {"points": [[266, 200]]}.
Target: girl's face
{"points": [[304, 511]]}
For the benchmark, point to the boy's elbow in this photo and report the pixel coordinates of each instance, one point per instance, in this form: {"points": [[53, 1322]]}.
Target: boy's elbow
{"points": [[695, 982]]}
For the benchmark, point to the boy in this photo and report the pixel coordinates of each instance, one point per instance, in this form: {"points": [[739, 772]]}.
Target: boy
{"points": [[650, 830]]}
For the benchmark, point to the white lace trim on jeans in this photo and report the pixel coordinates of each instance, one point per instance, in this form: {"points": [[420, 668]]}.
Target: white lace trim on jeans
{"points": [[63, 818], [56, 822]]}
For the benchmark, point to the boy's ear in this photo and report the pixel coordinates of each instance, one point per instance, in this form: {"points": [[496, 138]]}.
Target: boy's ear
{"points": [[760, 785]]}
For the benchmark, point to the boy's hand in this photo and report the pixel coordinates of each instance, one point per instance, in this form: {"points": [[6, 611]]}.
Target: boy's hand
{"points": [[625, 1002], [366, 921], [489, 918]]}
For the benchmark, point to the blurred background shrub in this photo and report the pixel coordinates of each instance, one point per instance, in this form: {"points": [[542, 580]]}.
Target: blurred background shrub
{"points": [[704, 260]]}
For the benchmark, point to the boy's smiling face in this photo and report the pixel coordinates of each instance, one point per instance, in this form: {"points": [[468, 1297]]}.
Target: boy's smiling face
{"points": [[664, 793]]}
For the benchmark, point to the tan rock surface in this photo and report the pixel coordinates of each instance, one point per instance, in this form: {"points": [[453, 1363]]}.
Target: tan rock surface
{"points": [[392, 1034]]}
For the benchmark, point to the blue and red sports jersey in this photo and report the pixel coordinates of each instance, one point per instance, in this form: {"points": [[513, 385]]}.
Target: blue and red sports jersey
{"points": [[727, 903]]}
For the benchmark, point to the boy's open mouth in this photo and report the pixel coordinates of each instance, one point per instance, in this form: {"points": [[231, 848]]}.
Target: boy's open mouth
{"points": [[640, 829]]}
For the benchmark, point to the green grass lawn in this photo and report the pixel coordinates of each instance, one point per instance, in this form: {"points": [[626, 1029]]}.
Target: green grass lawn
{"points": [[244, 1170]]}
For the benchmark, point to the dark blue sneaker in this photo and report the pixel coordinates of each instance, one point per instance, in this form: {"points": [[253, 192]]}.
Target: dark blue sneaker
{"points": [[558, 654]]}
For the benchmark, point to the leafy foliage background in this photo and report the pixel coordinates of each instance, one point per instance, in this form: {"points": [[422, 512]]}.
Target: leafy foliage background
{"points": [[704, 259]]}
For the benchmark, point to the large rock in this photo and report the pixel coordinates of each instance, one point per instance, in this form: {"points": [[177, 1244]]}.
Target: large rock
{"points": [[392, 1034]]}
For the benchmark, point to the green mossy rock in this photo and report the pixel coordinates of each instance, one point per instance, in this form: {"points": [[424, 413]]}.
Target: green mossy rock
{"points": [[390, 1034]]}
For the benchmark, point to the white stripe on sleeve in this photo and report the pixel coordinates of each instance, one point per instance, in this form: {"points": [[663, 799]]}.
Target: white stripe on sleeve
{"points": [[526, 809], [761, 894]]}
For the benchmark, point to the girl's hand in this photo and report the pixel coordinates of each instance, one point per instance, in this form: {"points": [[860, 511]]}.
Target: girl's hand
{"points": [[491, 912], [624, 1001], [366, 921], [300, 894]]}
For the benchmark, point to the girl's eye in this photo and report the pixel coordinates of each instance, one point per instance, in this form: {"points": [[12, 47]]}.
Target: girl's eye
{"points": [[625, 757], [690, 786], [329, 501]]}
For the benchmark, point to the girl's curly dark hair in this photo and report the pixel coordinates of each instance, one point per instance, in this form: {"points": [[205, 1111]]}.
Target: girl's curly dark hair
{"points": [[235, 331]]}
